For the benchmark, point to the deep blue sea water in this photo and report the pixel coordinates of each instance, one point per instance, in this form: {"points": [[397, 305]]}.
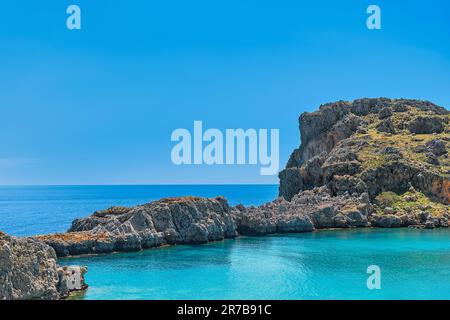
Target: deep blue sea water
{"points": [[415, 264]]}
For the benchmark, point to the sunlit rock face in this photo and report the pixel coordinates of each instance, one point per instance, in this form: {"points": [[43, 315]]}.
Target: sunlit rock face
{"points": [[29, 271], [372, 146]]}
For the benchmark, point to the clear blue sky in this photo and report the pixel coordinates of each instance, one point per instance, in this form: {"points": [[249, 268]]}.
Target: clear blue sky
{"points": [[97, 106]]}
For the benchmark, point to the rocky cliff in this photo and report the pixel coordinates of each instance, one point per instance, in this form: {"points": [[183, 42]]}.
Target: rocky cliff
{"points": [[29, 270], [394, 152]]}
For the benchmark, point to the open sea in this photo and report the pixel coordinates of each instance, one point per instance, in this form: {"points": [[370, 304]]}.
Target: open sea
{"points": [[415, 264]]}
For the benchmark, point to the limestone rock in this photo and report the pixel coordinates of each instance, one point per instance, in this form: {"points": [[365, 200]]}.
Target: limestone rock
{"points": [[307, 211], [386, 126], [162, 222], [29, 271], [384, 113]]}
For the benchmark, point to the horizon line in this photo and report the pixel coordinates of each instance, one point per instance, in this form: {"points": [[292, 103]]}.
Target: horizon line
{"points": [[139, 184]]}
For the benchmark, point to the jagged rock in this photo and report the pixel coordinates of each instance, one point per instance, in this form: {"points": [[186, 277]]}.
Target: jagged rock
{"points": [[386, 126], [426, 125], [436, 147], [291, 182], [29, 271], [330, 140], [312, 173], [387, 221], [309, 210], [330, 181], [273, 217], [384, 113], [432, 159], [409, 220], [410, 198], [360, 160], [432, 223], [339, 185], [166, 221]]}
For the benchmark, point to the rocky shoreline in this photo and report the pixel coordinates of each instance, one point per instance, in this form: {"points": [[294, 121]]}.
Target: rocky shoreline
{"points": [[366, 163], [191, 220]]}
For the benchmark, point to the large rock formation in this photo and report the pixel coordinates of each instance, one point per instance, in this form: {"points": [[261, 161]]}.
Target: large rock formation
{"points": [[307, 211], [163, 222], [370, 162], [373, 146], [377, 148], [189, 220], [28, 270]]}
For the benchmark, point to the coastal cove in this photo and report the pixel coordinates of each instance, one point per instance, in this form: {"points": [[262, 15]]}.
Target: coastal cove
{"points": [[415, 264]]}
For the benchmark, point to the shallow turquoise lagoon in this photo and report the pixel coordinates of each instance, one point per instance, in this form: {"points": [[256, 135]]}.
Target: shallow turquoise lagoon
{"points": [[415, 264]]}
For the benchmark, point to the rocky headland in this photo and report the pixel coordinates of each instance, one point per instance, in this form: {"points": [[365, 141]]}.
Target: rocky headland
{"points": [[366, 163], [29, 270]]}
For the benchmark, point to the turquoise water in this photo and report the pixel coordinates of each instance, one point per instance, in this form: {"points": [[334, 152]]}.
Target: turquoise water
{"points": [[35, 210], [415, 264]]}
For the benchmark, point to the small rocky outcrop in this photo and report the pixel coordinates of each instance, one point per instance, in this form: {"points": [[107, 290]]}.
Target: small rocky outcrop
{"points": [[29, 271], [369, 147], [427, 124], [169, 221], [189, 220]]}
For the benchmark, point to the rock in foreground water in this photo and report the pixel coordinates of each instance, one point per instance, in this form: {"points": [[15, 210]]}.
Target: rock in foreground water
{"points": [[29, 270]]}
